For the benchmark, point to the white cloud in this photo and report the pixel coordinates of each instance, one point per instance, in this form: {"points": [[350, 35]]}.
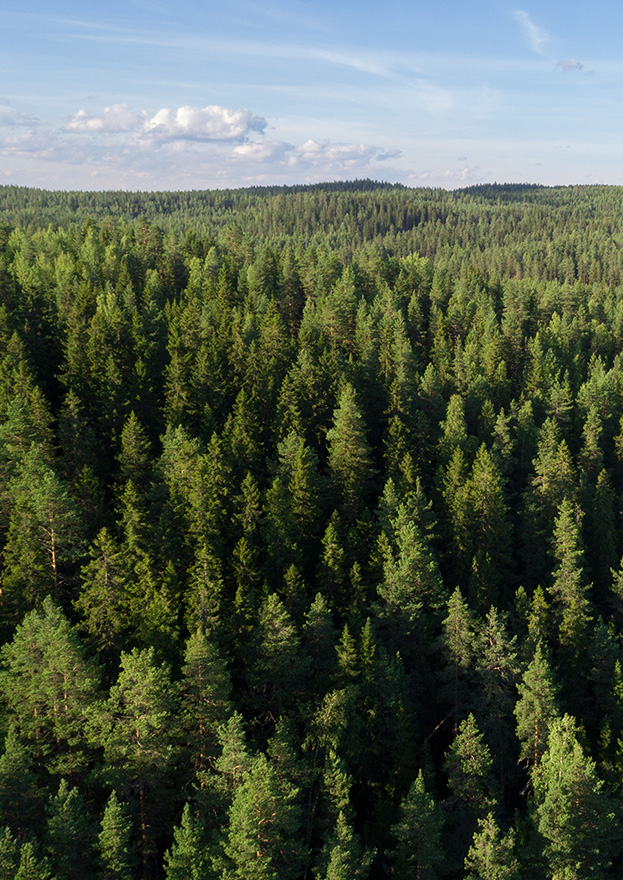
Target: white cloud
{"points": [[537, 37], [117, 118], [338, 155], [212, 123], [270, 151], [569, 64]]}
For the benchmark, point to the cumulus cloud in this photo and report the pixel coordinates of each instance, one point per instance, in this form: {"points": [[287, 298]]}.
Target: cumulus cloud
{"points": [[114, 119], [269, 151], [339, 155], [537, 37], [569, 64], [212, 123]]}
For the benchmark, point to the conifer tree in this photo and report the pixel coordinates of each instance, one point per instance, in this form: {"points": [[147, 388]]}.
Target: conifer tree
{"points": [[418, 850], [350, 456], [187, 859], [43, 537], [277, 665], [205, 697], [9, 854], [537, 708], [116, 852], [134, 728], [491, 855], [31, 865], [19, 794], [264, 835], [49, 686], [344, 855], [103, 599], [575, 814], [460, 644], [69, 834], [569, 587]]}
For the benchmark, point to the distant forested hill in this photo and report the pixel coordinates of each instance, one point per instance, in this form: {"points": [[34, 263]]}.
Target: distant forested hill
{"points": [[311, 533], [518, 230]]}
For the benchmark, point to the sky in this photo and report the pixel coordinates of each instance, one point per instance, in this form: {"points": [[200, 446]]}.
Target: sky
{"points": [[148, 95]]}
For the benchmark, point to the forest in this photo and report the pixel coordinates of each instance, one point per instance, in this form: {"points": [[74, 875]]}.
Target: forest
{"points": [[311, 534]]}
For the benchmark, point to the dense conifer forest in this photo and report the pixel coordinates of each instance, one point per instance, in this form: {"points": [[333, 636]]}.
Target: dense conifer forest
{"points": [[311, 534]]}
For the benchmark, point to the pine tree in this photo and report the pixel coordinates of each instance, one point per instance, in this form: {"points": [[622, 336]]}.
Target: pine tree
{"points": [[536, 709], [344, 855], [103, 599], [264, 835], [418, 851], [9, 854], [49, 687], [187, 858], [134, 728], [31, 866], [116, 856], [491, 855], [411, 589], [69, 834], [460, 645], [230, 765], [19, 795], [350, 456], [205, 697], [575, 814], [468, 764], [569, 587], [43, 538], [278, 666]]}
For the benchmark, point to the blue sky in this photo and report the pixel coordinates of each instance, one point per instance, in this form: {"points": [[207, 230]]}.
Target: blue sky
{"points": [[152, 95]]}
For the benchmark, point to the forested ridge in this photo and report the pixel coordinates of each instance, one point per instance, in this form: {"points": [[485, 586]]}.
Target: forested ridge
{"points": [[311, 530]]}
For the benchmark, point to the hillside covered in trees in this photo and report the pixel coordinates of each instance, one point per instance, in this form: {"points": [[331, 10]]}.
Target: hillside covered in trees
{"points": [[311, 534]]}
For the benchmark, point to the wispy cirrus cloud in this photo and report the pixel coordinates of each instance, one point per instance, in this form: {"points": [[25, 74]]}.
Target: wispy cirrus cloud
{"points": [[569, 65], [537, 37]]}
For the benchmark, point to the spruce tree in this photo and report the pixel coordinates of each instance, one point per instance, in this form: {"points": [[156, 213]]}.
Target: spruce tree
{"points": [[575, 814], [115, 847], [418, 849], [491, 855], [187, 859], [264, 834], [69, 836], [536, 709]]}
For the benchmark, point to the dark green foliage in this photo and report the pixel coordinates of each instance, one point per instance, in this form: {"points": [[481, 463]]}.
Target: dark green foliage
{"points": [[349, 458], [418, 850], [491, 855], [115, 850], [69, 834], [576, 816], [49, 687], [263, 841], [187, 859]]}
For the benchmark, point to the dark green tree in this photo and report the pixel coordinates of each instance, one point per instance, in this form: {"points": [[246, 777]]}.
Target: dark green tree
{"points": [[69, 834], [49, 687], [575, 814], [418, 848], [491, 855], [264, 834], [116, 854], [187, 859]]}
